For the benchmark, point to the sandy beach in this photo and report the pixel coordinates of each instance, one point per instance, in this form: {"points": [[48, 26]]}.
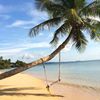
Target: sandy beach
{"points": [[27, 87]]}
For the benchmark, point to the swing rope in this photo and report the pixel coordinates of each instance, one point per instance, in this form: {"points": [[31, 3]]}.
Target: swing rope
{"points": [[59, 72], [45, 74]]}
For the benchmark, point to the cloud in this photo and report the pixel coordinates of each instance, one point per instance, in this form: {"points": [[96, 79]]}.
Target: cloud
{"points": [[28, 9], [51, 35], [40, 34], [2, 51], [4, 10], [4, 44], [26, 24], [38, 15], [33, 12], [19, 23], [22, 47], [67, 47], [22, 51], [28, 56], [37, 45]]}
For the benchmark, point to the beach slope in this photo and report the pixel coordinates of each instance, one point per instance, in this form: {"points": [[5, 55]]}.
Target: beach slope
{"points": [[24, 87], [27, 87]]}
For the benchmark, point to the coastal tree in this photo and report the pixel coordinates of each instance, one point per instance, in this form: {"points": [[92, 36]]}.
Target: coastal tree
{"points": [[72, 18], [6, 63]]}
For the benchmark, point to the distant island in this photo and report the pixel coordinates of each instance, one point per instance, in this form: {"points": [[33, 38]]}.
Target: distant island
{"points": [[73, 61]]}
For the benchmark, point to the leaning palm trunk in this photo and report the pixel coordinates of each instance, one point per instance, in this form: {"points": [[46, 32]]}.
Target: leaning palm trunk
{"points": [[37, 62]]}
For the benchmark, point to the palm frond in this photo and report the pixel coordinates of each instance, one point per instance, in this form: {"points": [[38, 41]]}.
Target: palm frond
{"points": [[57, 10], [54, 41], [90, 29], [69, 3], [97, 31], [66, 3], [97, 36], [61, 31], [79, 40], [93, 29], [97, 25], [80, 4], [49, 23], [53, 8], [92, 9], [43, 4]]}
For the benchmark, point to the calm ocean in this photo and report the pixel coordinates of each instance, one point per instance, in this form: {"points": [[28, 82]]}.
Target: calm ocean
{"points": [[79, 73]]}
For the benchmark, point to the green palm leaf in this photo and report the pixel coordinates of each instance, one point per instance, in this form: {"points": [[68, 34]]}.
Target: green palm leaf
{"points": [[93, 28], [92, 9], [49, 23], [43, 4], [61, 31], [52, 8], [79, 40], [80, 4]]}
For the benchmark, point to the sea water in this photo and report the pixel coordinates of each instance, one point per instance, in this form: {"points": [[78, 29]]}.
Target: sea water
{"points": [[85, 73]]}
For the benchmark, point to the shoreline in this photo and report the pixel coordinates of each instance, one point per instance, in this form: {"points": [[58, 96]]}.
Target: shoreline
{"points": [[84, 92], [26, 87], [68, 84]]}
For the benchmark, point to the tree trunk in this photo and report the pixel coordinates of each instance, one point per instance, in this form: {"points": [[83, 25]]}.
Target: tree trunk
{"points": [[37, 62]]}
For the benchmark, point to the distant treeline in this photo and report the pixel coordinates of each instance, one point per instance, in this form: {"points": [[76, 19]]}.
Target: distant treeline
{"points": [[6, 63]]}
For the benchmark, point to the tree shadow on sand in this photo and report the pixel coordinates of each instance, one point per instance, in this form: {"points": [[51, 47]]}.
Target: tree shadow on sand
{"points": [[19, 89], [3, 86], [12, 92]]}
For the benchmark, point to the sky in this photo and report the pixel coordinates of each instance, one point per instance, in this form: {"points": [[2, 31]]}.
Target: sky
{"points": [[17, 17]]}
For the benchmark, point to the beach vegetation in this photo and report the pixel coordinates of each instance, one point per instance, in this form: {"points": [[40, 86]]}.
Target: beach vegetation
{"points": [[6, 63]]}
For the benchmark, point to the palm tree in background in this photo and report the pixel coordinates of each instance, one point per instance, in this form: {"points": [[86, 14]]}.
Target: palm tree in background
{"points": [[72, 18]]}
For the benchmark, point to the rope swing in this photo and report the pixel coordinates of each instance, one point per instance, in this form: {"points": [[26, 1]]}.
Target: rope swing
{"points": [[45, 74]]}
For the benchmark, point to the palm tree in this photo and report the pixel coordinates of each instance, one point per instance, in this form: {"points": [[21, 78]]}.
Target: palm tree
{"points": [[72, 18]]}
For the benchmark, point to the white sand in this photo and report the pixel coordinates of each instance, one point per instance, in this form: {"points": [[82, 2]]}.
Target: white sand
{"points": [[26, 87]]}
